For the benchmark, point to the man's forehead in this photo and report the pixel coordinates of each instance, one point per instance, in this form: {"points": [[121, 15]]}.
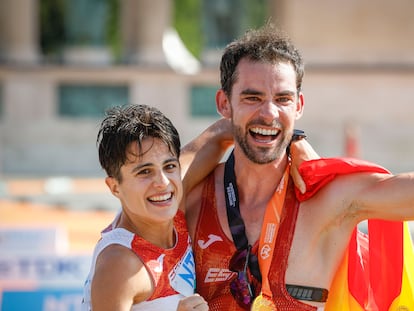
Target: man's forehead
{"points": [[257, 75]]}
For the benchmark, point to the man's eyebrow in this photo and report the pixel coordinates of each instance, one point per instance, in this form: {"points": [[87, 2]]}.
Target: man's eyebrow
{"points": [[256, 92], [250, 92], [286, 93]]}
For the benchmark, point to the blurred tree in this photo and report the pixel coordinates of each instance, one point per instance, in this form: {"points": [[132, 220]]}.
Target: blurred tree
{"points": [[187, 19], [52, 30], [113, 33], [187, 22], [189, 14], [258, 12]]}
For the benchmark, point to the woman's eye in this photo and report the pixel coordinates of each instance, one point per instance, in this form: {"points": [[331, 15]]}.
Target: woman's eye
{"points": [[171, 166], [144, 172]]}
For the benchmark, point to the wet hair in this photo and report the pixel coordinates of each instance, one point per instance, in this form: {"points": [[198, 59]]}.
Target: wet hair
{"points": [[266, 44], [132, 123]]}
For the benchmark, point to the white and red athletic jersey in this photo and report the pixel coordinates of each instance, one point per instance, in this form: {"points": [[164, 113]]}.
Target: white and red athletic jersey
{"points": [[172, 270]]}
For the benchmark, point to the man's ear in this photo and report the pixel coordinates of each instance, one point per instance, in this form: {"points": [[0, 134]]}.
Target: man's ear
{"points": [[299, 106], [223, 104], [112, 184]]}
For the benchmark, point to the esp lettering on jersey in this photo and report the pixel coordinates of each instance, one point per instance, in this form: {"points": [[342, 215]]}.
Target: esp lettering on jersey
{"points": [[218, 275]]}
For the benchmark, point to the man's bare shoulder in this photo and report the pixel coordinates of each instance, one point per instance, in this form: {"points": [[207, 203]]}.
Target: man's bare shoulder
{"points": [[337, 197]]}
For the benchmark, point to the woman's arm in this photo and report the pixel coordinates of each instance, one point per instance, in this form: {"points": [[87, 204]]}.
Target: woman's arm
{"points": [[201, 155], [120, 280], [300, 151]]}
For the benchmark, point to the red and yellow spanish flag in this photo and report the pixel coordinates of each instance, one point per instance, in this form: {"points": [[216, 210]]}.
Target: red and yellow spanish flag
{"points": [[377, 271]]}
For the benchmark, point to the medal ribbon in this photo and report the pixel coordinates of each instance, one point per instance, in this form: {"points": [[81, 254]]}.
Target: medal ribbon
{"points": [[269, 231], [270, 225]]}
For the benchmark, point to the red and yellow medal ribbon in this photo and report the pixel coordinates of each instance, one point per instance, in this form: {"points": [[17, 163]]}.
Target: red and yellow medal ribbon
{"points": [[267, 243]]}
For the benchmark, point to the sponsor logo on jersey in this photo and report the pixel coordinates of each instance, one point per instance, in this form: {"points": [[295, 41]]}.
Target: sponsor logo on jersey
{"points": [[182, 277], [211, 239]]}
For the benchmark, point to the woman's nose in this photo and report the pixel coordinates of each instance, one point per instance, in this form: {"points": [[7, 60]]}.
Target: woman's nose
{"points": [[161, 179]]}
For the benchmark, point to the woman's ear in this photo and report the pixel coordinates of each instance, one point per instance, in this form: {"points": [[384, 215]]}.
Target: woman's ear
{"points": [[223, 104], [112, 184]]}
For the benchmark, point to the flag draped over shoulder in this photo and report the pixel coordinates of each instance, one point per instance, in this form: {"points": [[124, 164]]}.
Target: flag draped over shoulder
{"points": [[377, 271]]}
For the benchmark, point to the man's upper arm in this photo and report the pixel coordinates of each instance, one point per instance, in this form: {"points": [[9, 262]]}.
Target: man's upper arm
{"points": [[386, 196]]}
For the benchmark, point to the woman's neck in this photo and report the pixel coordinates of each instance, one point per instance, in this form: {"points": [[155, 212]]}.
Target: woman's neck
{"points": [[159, 234]]}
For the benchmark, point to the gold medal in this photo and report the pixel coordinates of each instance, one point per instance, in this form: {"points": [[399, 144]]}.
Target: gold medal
{"points": [[262, 303]]}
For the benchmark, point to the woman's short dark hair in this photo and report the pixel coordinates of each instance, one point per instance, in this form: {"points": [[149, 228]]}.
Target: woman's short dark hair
{"points": [[132, 123]]}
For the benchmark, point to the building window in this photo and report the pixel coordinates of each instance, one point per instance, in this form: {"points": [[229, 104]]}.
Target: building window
{"points": [[203, 101], [224, 20], [78, 23], [90, 100]]}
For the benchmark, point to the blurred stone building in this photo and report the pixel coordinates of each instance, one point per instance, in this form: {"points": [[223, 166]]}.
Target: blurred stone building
{"points": [[359, 79]]}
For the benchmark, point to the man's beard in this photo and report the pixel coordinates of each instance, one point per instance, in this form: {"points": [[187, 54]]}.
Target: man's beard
{"points": [[260, 155]]}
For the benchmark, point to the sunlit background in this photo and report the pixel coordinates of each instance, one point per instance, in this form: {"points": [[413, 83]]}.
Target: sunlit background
{"points": [[64, 62]]}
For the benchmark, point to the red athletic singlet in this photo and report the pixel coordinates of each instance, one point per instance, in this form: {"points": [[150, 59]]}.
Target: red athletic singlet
{"points": [[213, 251]]}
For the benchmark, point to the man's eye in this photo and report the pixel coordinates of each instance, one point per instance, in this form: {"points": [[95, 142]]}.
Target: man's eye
{"points": [[253, 98], [284, 100]]}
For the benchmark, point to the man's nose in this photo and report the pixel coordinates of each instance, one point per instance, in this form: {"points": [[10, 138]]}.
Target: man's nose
{"points": [[269, 109]]}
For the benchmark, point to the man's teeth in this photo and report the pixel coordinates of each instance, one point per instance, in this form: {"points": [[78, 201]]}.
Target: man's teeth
{"points": [[161, 198], [262, 131]]}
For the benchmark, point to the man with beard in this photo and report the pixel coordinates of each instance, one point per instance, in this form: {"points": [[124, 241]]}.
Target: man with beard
{"points": [[256, 247]]}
